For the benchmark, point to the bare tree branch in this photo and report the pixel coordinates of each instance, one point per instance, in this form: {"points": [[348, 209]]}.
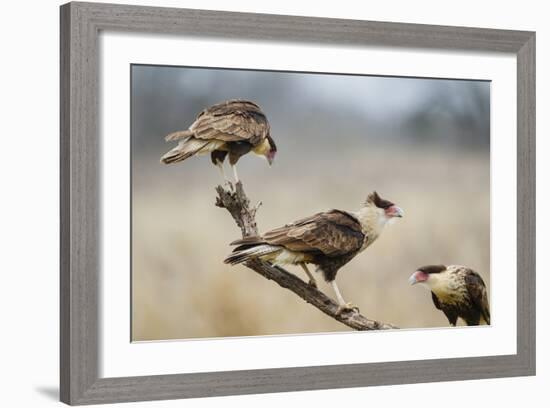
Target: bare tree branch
{"points": [[238, 205]]}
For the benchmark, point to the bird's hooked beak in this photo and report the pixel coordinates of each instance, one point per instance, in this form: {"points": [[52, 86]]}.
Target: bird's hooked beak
{"points": [[417, 277], [394, 211], [270, 160]]}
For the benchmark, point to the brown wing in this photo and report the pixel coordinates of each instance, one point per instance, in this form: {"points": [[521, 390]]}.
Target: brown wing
{"points": [[332, 233], [232, 121], [478, 294]]}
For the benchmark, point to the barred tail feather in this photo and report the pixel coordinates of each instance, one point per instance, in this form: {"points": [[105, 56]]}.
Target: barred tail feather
{"points": [[182, 134], [248, 241], [244, 253], [174, 156], [183, 150]]}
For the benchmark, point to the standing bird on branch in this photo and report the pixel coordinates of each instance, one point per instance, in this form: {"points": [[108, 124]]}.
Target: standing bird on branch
{"points": [[328, 239], [457, 291], [232, 128]]}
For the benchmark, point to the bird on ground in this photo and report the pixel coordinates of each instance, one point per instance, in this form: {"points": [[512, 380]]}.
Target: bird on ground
{"points": [[458, 291], [232, 128], [328, 240]]}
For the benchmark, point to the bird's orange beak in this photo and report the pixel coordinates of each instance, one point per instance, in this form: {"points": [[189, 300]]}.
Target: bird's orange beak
{"points": [[394, 211], [418, 276]]}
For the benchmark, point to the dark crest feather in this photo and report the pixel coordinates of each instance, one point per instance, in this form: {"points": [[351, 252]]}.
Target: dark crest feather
{"points": [[432, 269], [273, 146], [378, 201]]}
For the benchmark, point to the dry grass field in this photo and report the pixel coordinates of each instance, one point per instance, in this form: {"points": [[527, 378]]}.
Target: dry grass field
{"points": [[421, 143], [181, 288]]}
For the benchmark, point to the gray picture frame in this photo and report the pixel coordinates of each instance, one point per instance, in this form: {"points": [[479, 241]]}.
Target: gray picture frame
{"points": [[81, 24]]}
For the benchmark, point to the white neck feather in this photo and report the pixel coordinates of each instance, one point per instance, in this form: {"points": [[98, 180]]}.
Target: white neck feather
{"points": [[372, 220], [444, 284], [263, 148]]}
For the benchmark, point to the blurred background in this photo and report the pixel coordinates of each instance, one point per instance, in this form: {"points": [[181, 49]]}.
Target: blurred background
{"points": [[421, 143]]}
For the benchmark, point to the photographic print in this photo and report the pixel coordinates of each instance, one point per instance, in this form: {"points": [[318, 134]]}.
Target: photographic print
{"points": [[277, 203]]}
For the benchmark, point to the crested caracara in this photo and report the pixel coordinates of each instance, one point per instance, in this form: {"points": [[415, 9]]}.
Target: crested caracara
{"points": [[457, 291], [328, 239], [232, 128]]}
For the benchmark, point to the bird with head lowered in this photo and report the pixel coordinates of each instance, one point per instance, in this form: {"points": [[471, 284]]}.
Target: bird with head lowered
{"points": [[232, 128]]}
